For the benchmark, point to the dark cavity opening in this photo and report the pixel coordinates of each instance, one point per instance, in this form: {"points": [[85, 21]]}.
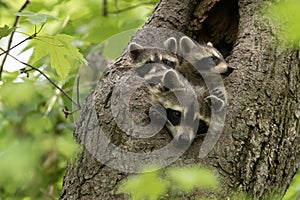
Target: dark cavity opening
{"points": [[221, 26]]}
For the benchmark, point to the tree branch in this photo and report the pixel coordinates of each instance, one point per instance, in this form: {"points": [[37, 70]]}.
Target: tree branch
{"points": [[49, 79], [28, 38], [12, 35]]}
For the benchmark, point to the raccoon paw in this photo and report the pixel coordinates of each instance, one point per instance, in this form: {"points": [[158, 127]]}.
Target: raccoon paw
{"points": [[217, 98], [220, 93]]}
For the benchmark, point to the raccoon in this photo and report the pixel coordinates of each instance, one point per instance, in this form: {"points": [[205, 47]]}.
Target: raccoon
{"points": [[165, 55], [201, 63], [193, 61], [186, 108], [204, 66]]}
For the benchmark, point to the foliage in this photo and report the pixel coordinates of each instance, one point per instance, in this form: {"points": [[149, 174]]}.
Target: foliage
{"points": [[63, 55], [5, 31], [285, 13], [49, 42], [172, 181], [294, 189]]}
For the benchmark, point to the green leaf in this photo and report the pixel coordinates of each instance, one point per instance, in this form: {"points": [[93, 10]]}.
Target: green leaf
{"points": [[285, 14], [189, 178], [67, 147], [40, 126], [5, 31], [294, 189], [36, 18], [63, 55], [136, 186], [14, 95], [10, 76], [3, 5], [15, 156]]}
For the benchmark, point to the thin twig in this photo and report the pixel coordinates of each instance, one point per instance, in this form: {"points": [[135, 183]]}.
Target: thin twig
{"points": [[52, 82], [12, 35], [131, 7], [28, 38]]}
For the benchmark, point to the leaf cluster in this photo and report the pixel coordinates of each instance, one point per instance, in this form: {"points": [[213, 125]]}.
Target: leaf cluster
{"points": [[169, 183]]}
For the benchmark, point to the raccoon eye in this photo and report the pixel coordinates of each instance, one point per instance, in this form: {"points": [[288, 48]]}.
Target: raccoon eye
{"points": [[177, 114], [174, 116], [202, 127], [215, 59], [169, 63], [149, 61]]}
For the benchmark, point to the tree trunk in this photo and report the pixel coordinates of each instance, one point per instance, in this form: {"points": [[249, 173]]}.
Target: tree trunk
{"points": [[258, 151]]}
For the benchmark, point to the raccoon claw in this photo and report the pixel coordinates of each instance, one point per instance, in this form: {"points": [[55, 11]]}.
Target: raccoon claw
{"points": [[219, 93], [217, 98]]}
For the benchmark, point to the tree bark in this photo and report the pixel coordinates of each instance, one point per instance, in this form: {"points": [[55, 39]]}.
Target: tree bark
{"points": [[258, 151]]}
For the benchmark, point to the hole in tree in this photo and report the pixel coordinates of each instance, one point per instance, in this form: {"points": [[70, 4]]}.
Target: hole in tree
{"points": [[221, 26]]}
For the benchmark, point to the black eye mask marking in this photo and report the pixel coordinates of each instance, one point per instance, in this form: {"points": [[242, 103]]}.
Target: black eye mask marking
{"points": [[202, 128], [169, 63], [173, 116], [215, 59], [143, 70], [205, 64], [149, 62]]}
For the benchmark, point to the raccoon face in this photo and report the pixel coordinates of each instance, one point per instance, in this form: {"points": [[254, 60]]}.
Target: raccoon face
{"points": [[205, 58], [221, 65], [187, 117], [166, 56]]}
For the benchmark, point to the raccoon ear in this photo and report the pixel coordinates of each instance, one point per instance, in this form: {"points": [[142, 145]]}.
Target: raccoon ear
{"points": [[209, 44], [170, 80], [171, 44], [135, 50], [186, 45]]}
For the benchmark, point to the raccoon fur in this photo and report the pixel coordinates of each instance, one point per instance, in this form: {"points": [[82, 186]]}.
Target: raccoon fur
{"points": [[186, 108], [145, 55], [201, 63], [183, 72]]}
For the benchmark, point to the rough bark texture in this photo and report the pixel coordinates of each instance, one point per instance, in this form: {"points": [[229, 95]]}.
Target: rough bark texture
{"points": [[259, 149]]}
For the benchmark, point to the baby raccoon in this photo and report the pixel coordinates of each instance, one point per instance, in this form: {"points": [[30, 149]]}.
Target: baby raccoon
{"points": [[201, 62], [191, 60], [202, 65], [187, 108], [167, 55]]}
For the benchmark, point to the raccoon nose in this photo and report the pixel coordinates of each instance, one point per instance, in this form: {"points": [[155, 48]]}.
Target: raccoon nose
{"points": [[183, 140], [230, 69]]}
